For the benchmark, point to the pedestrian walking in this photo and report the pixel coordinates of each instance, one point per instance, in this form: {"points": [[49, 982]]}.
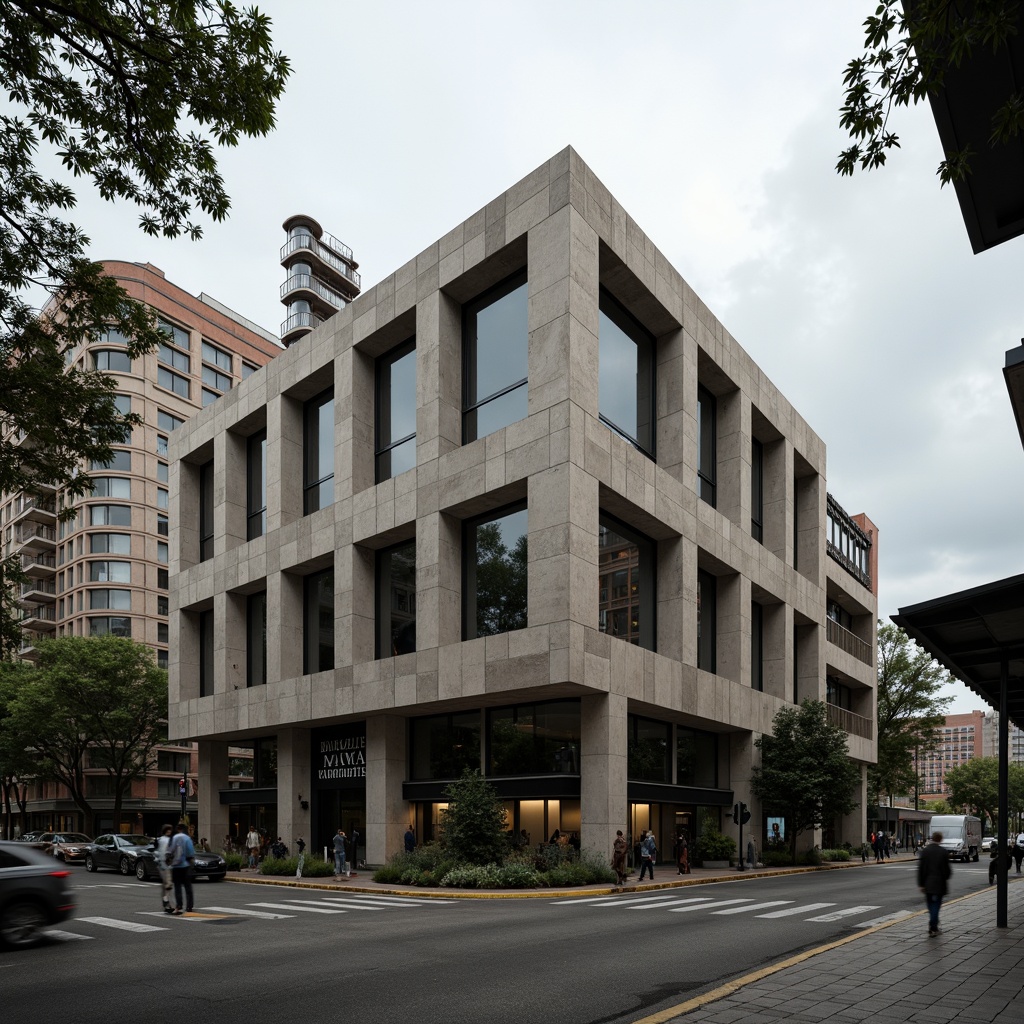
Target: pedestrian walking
{"points": [[683, 855], [183, 856], [163, 866], [410, 840], [619, 848], [301, 845], [993, 864], [340, 865], [648, 852], [252, 845], [1018, 850], [933, 873]]}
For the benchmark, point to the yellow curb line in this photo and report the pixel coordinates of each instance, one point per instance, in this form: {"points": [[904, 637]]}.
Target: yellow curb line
{"points": [[730, 987]]}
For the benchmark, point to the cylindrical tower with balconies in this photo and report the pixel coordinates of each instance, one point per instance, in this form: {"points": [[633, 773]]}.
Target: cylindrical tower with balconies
{"points": [[322, 277]]}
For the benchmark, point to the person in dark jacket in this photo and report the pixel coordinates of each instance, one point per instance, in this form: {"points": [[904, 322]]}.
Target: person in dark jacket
{"points": [[933, 873]]}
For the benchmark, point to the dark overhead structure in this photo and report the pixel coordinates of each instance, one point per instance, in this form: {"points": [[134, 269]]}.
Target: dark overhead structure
{"points": [[991, 196]]}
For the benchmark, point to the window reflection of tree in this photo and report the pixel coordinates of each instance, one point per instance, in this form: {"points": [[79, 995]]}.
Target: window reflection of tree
{"points": [[500, 582]]}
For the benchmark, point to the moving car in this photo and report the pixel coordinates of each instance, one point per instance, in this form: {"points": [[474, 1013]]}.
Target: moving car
{"points": [[117, 852], [986, 844], [961, 835], [34, 894], [206, 865], [66, 846]]}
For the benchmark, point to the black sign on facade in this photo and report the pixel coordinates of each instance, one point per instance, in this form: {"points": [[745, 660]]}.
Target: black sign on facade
{"points": [[339, 756]]}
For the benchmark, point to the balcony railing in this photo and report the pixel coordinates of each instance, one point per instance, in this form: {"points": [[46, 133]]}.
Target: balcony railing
{"points": [[36, 562], [313, 284], [848, 721], [38, 587], [299, 320], [41, 613], [27, 532], [307, 241], [31, 503], [849, 642]]}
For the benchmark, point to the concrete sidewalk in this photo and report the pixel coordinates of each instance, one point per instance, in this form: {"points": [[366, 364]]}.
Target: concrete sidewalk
{"points": [[971, 973]]}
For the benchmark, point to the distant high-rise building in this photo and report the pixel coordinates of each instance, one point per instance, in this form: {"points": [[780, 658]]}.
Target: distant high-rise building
{"points": [[960, 739], [106, 570], [990, 738], [322, 277]]}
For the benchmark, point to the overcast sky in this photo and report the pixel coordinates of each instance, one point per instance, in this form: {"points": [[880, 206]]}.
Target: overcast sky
{"points": [[716, 127]]}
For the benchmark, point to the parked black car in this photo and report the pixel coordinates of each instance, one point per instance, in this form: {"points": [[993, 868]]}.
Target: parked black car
{"points": [[206, 865], [34, 894], [117, 852]]}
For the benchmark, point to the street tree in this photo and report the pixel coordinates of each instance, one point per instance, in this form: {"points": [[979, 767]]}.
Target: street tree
{"points": [[474, 822], [974, 785], [101, 698], [908, 51], [133, 97], [805, 774], [17, 765], [910, 710]]}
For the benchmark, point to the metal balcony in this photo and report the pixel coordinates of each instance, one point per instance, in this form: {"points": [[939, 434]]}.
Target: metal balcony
{"points": [[304, 322], [30, 508], [310, 244], [38, 566], [849, 642], [313, 285], [38, 590], [35, 536], [848, 721], [39, 617]]}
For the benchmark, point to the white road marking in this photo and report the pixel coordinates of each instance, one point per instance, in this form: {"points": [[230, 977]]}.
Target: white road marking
{"points": [[756, 906], [355, 905], [397, 901], [249, 913], [292, 905], [899, 915], [56, 933], [806, 909], [672, 903], [705, 906], [840, 914], [124, 926]]}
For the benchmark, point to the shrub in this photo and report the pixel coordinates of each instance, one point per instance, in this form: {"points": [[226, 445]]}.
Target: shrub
{"points": [[426, 865], [473, 824], [835, 855], [472, 876], [235, 861], [517, 875], [776, 859], [712, 845], [812, 857], [313, 866]]}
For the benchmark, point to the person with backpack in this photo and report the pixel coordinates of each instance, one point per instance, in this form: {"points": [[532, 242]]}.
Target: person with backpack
{"points": [[648, 852]]}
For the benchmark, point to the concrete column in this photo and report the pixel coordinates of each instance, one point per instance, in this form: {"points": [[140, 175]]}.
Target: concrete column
{"points": [[229, 490], [776, 647], [809, 507], [438, 377], [230, 642], [671, 597], [214, 817], [777, 499], [387, 813], [853, 826], [670, 439], [294, 778], [733, 457], [438, 581], [284, 461], [743, 755], [284, 626], [732, 639], [603, 798]]}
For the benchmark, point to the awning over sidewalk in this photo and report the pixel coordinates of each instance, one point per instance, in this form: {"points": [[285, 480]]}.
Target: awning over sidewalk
{"points": [[971, 633]]}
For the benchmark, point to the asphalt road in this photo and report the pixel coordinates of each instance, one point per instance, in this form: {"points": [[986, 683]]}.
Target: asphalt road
{"points": [[291, 955]]}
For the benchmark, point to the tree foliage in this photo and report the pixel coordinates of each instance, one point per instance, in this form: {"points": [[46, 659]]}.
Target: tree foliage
{"points": [[909, 49], [910, 709], [474, 824], [100, 698], [133, 95], [500, 582], [805, 774], [974, 785]]}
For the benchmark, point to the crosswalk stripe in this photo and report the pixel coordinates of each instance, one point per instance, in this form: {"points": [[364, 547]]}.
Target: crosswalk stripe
{"points": [[756, 906], [571, 902], [705, 906], [251, 913], [839, 914], [56, 933], [355, 905], [632, 901], [292, 905], [125, 926], [671, 903], [807, 908], [898, 916], [402, 901]]}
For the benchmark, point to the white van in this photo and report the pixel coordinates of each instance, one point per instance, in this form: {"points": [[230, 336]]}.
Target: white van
{"points": [[961, 834]]}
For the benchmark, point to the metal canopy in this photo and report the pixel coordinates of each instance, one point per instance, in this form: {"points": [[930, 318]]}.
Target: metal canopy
{"points": [[991, 201], [971, 632]]}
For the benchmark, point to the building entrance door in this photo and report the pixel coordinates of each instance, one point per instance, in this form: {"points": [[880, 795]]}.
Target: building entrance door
{"points": [[346, 809]]}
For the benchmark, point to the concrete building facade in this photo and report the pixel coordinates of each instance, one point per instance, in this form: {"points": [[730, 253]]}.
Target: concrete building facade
{"points": [[529, 509], [960, 738], [106, 571]]}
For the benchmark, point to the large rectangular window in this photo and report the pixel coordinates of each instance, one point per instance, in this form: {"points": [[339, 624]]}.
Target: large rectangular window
{"points": [[318, 478], [696, 758], [205, 653], [175, 335], [648, 749], [110, 572], [115, 600], [120, 462], [626, 590], [111, 487], [396, 600], [757, 490], [110, 543], [256, 639], [534, 739], [494, 571], [206, 531], [111, 361], [443, 746], [173, 358], [707, 599], [756, 646], [110, 515], [626, 391], [494, 361], [256, 485], [172, 381], [706, 446], [112, 625], [396, 411], [318, 622], [165, 421]]}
